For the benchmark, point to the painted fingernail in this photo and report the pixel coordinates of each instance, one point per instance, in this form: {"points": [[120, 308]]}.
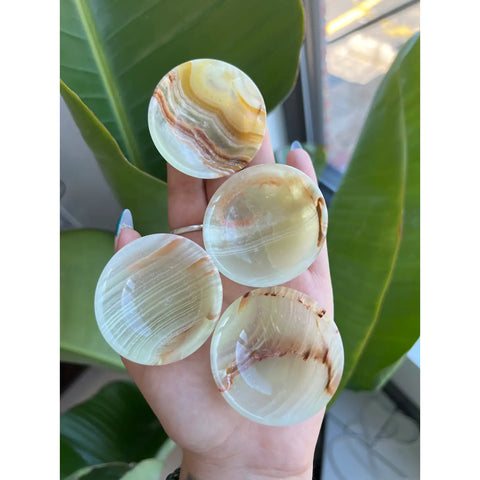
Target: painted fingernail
{"points": [[124, 221], [296, 144]]}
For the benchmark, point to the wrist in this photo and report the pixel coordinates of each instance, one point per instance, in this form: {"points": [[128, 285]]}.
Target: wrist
{"points": [[195, 467]]}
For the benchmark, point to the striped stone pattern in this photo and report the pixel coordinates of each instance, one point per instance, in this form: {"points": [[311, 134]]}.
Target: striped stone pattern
{"points": [[207, 118], [265, 225], [158, 299], [277, 356]]}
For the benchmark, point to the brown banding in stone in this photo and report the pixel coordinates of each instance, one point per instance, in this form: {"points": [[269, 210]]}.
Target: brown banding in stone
{"points": [[198, 264], [329, 379], [258, 110], [258, 355], [181, 336], [308, 191], [308, 306], [321, 313], [174, 342], [325, 356], [243, 301], [211, 272], [276, 183], [211, 154], [239, 223], [165, 250], [332, 380], [164, 357], [171, 76], [320, 205]]}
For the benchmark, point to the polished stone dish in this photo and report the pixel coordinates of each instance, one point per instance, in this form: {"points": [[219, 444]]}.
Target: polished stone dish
{"points": [[265, 225], [276, 356], [158, 299], [207, 118]]}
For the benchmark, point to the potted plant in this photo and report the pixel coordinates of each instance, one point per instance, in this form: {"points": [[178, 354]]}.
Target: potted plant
{"points": [[112, 55]]}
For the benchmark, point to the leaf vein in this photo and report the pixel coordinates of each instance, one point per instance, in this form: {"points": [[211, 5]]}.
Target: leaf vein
{"points": [[172, 34], [108, 79]]}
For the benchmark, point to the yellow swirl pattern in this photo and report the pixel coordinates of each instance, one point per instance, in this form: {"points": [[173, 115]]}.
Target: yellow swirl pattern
{"points": [[207, 118]]}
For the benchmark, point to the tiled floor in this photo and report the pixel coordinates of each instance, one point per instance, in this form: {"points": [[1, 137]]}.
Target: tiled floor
{"points": [[368, 438]]}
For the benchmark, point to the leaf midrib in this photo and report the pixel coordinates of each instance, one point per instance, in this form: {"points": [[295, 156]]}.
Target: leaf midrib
{"points": [[113, 93]]}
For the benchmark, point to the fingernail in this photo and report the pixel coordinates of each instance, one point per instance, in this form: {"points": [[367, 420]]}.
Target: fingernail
{"points": [[296, 144], [125, 221]]}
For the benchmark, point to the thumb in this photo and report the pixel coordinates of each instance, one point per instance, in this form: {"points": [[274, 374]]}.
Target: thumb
{"points": [[125, 232]]}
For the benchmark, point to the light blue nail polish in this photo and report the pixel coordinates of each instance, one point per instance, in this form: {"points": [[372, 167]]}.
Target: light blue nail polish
{"points": [[296, 144], [124, 221]]}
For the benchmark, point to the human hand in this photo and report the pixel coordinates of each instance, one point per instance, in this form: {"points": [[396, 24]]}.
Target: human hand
{"points": [[218, 442]]}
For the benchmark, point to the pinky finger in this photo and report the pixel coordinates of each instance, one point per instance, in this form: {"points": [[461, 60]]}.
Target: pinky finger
{"points": [[300, 159]]}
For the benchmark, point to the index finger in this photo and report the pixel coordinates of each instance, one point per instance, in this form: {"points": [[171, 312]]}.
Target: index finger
{"points": [[186, 199], [264, 155]]}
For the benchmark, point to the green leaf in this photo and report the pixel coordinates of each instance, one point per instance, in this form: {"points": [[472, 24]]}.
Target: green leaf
{"points": [[104, 471], [149, 469], [373, 230], [83, 255], [113, 53], [398, 324], [143, 194], [115, 425], [71, 460]]}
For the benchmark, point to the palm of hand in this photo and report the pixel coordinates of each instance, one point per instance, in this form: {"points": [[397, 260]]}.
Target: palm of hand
{"points": [[184, 396]]}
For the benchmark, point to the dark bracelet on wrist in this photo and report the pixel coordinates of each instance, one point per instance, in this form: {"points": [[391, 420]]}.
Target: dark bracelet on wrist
{"points": [[174, 475]]}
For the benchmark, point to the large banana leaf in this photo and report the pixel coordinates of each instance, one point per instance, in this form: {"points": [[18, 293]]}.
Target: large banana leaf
{"points": [[149, 469], [70, 460], [113, 53], [102, 471], [144, 195], [374, 230], [115, 425], [83, 254]]}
